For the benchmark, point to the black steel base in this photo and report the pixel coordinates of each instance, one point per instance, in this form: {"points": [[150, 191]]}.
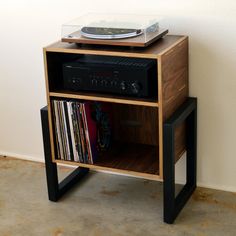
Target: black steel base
{"points": [[56, 189], [173, 205]]}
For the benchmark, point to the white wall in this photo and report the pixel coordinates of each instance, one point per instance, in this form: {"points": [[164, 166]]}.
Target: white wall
{"points": [[26, 26]]}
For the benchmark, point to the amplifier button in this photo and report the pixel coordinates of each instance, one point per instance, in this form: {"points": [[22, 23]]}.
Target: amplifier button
{"points": [[75, 81], [135, 87], [123, 85], [104, 82], [113, 83], [94, 82]]}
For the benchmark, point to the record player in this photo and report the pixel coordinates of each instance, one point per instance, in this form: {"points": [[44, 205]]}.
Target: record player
{"points": [[114, 29]]}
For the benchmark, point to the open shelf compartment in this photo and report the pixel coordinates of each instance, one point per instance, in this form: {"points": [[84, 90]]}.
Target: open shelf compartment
{"points": [[59, 85], [134, 148]]}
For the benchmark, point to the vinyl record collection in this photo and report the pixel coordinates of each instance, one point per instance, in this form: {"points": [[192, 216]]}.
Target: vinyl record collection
{"points": [[75, 131]]}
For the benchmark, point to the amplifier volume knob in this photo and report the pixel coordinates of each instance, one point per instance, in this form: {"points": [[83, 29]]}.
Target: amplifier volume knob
{"points": [[135, 87], [122, 85]]}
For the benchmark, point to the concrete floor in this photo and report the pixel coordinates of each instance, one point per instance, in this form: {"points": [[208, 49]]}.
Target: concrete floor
{"points": [[104, 205]]}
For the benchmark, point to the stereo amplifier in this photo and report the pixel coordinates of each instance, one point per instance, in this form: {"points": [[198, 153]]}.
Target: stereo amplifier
{"points": [[134, 77]]}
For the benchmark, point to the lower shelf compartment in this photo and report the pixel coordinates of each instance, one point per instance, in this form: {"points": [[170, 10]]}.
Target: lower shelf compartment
{"points": [[133, 159]]}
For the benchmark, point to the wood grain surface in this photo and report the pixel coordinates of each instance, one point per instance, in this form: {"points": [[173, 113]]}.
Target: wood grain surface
{"points": [[142, 40]]}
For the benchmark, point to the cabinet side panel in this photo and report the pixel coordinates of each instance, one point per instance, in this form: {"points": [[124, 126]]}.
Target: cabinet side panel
{"points": [[175, 87], [48, 104]]}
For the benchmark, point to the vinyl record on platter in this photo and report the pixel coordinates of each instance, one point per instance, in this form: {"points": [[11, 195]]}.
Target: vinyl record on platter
{"points": [[109, 33]]}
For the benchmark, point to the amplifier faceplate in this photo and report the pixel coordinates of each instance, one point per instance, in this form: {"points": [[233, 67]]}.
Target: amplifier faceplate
{"points": [[133, 77]]}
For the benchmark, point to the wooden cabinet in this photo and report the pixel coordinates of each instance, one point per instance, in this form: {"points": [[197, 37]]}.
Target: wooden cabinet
{"points": [[137, 149]]}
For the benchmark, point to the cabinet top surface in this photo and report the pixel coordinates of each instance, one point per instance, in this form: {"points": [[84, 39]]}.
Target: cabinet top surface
{"points": [[154, 50]]}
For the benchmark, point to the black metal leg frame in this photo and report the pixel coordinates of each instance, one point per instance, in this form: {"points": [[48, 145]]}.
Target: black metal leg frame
{"points": [[173, 205], [56, 189]]}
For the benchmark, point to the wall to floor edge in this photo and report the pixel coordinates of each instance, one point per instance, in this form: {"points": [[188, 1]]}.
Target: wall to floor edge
{"points": [[179, 181]]}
